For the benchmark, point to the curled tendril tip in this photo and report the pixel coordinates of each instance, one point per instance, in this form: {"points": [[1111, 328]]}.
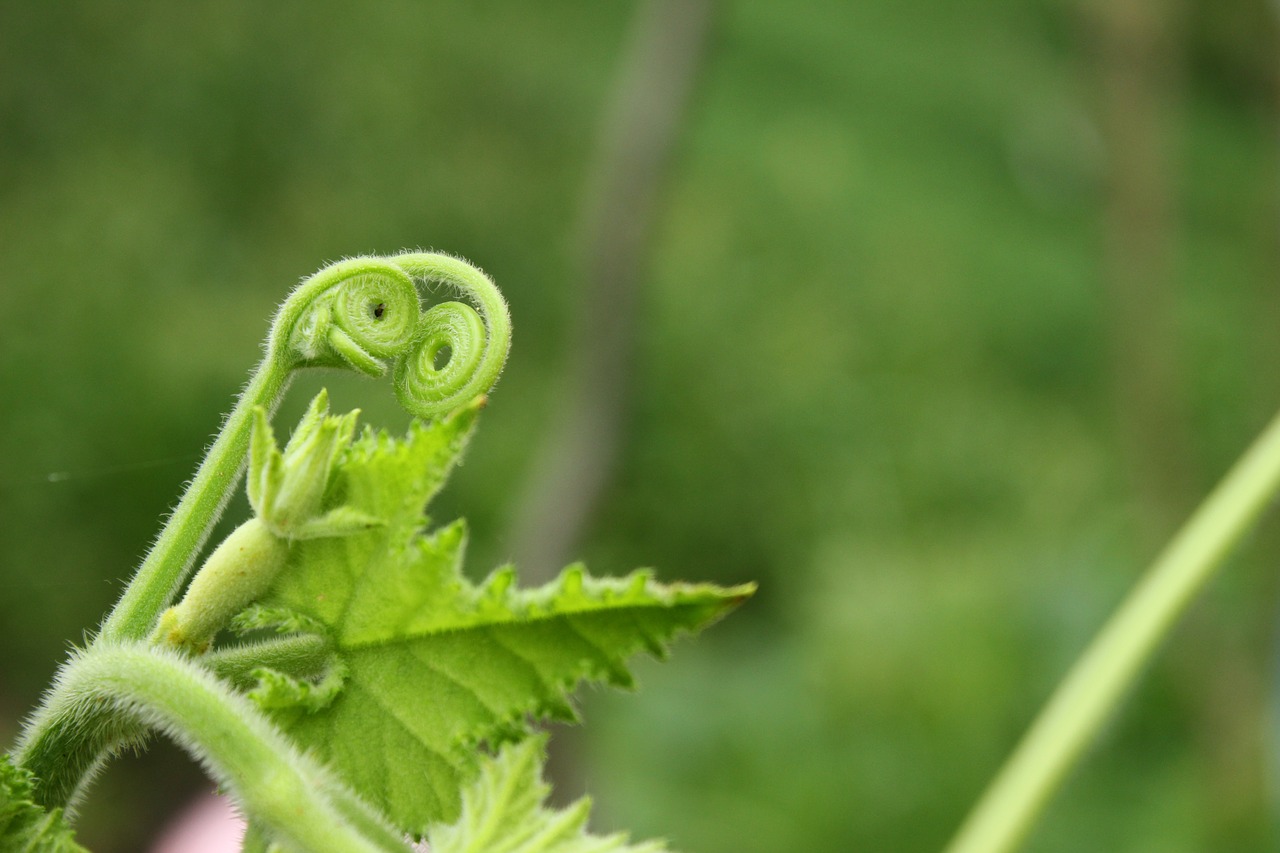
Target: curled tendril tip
{"points": [[364, 312]]}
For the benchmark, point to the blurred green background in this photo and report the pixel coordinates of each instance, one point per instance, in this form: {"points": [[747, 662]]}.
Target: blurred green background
{"points": [[939, 317]]}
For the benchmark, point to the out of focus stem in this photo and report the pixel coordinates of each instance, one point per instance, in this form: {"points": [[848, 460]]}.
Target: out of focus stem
{"points": [[1085, 699]]}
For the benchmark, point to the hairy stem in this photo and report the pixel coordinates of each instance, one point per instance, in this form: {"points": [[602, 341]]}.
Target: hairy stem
{"points": [[1087, 696], [65, 747], [255, 841], [299, 655], [165, 567], [294, 799]]}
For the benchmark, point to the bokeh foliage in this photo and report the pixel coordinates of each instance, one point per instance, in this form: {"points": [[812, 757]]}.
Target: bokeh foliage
{"points": [[876, 369]]}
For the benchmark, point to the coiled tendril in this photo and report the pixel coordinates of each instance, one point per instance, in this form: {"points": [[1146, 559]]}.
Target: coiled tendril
{"points": [[458, 351], [352, 313], [363, 311], [434, 374]]}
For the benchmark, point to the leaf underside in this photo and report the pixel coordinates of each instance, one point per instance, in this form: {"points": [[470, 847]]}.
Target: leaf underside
{"points": [[24, 826], [436, 665], [503, 811]]}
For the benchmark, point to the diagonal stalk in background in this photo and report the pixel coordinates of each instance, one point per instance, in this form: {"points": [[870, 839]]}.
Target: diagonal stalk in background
{"points": [[1086, 698]]}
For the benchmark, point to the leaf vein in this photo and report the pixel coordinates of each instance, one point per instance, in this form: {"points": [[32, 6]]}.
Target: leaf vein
{"points": [[440, 754]]}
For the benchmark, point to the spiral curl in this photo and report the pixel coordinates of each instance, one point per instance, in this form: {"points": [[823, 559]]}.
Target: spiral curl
{"points": [[361, 313], [477, 339], [351, 314], [439, 373]]}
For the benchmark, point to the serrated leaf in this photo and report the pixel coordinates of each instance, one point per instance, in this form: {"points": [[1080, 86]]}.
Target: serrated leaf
{"points": [[24, 826], [503, 811], [435, 664]]}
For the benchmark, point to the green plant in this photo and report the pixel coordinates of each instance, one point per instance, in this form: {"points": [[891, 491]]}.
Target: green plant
{"points": [[374, 694]]}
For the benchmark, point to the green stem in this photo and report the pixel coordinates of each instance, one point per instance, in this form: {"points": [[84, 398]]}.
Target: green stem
{"points": [[301, 656], [64, 746], [255, 841], [293, 798], [167, 563], [1087, 696]]}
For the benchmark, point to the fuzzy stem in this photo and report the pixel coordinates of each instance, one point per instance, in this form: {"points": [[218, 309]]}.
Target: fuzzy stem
{"points": [[167, 563], [255, 841], [286, 793], [1087, 696], [299, 655], [65, 747]]}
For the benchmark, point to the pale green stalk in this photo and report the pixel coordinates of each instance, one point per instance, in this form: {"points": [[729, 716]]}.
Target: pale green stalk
{"points": [[297, 655], [291, 796], [254, 840], [1090, 692]]}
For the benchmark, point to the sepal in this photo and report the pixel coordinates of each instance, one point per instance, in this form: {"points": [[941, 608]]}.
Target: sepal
{"points": [[343, 521], [287, 489]]}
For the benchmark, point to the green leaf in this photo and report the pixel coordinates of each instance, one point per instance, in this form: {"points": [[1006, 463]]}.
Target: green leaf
{"points": [[24, 826], [436, 665], [503, 811]]}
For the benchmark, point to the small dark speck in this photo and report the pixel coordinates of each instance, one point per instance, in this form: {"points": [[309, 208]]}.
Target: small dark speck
{"points": [[379, 308]]}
